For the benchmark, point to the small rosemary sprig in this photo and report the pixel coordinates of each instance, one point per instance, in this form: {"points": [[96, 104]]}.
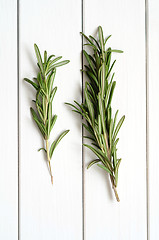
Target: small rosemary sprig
{"points": [[45, 93], [96, 109]]}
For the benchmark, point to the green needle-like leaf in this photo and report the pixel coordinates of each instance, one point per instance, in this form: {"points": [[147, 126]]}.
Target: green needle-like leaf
{"points": [[55, 143], [115, 50], [89, 61], [118, 128], [116, 171], [53, 94], [101, 38], [42, 149], [99, 154], [106, 169], [53, 120], [107, 39], [38, 55], [59, 64], [93, 162], [90, 105], [35, 85], [39, 124]]}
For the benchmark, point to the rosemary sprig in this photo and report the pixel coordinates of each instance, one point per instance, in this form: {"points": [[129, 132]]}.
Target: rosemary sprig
{"points": [[45, 93], [96, 109]]}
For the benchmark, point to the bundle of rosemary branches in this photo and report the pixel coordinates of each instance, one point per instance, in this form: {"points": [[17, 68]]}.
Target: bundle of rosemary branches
{"points": [[97, 110], [45, 93]]}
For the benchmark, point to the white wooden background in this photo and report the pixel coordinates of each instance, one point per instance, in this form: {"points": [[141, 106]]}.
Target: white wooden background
{"points": [[80, 205]]}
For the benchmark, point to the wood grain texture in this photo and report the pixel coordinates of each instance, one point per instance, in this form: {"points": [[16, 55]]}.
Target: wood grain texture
{"points": [[104, 217], [8, 126], [153, 119], [55, 212], [51, 212]]}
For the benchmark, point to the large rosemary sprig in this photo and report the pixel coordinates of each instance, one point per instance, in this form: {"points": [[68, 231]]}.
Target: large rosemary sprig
{"points": [[96, 109], [45, 93]]}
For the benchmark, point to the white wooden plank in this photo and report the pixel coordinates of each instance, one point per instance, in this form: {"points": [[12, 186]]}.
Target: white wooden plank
{"points": [[51, 212], [104, 217], [8, 127], [153, 119]]}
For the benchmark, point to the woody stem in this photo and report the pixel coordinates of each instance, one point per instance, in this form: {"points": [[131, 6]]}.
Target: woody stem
{"points": [[48, 158], [114, 188], [112, 180]]}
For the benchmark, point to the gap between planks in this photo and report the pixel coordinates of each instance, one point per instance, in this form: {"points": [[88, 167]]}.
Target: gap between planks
{"points": [[147, 112]]}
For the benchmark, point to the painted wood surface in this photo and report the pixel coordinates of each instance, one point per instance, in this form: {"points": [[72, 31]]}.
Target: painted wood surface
{"points": [[104, 217], [56, 212], [46, 211], [8, 126], [153, 119]]}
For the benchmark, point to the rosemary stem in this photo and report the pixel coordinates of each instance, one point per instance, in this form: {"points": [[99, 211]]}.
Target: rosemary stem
{"points": [[48, 158], [112, 181], [114, 188], [116, 194]]}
